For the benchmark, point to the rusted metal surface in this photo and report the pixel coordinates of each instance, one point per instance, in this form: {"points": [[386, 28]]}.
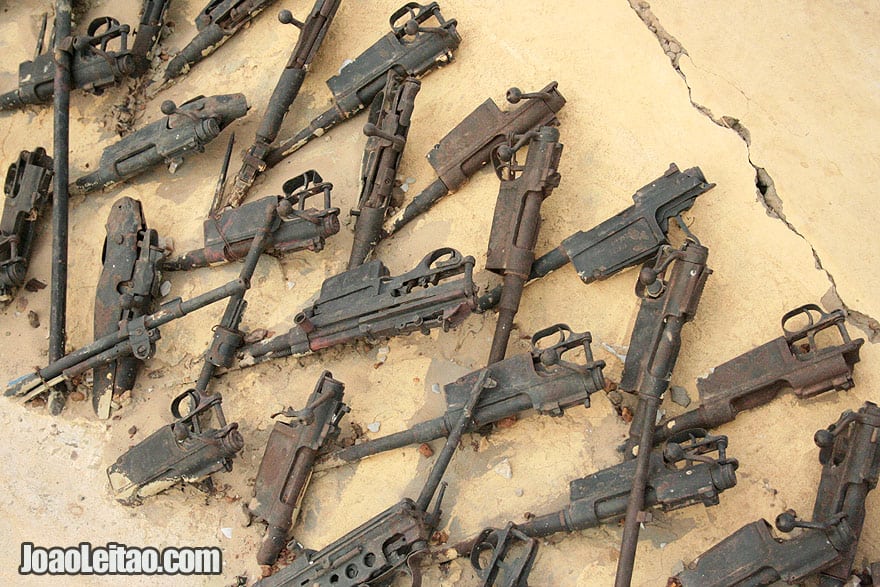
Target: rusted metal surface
{"points": [[228, 236], [547, 380], [312, 33], [183, 130], [420, 41], [27, 194], [670, 291], [127, 289], [148, 31], [795, 360], [199, 442], [826, 546], [510, 554], [367, 303], [387, 130], [376, 552], [469, 146], [99, 58], [218, 20], [286, 467], [517, 219]]}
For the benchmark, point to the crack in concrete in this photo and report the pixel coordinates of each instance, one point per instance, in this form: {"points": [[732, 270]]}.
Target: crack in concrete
{"points": [[765, 187]]}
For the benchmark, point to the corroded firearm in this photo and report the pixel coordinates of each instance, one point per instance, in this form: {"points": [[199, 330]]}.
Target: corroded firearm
{"points": [[517, 220], [218, 20], [627, 238], [387, 130], [27, 186], [366, 303], [670, 291], [826, 546], [312, 32], [183, 130], [286, 467], [795, 360], [410, 49], [375, 552], [93, 64], [127, 289], [691, 470], [186, 450], [469, 146], [540, 380], [229, 235], [147, 33]]}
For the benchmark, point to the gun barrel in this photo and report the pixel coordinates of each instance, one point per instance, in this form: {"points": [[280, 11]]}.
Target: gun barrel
{"points": [[202, 45], [11, 100], [317, 127]]}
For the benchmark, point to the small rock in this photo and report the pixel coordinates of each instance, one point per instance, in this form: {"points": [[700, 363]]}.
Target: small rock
{"points": [[435, 387], [77, 396], [626, 414], [518, 492], [132, 431], [678, 567], [265, 570], [503, 469], [660, 415], [74, 455], [290, 284], [33, 319], [255, 335], [425, 450], [34, 285], [373, 426], [680, 396], [410, 180], [440, 537], [404, 187], [226, 532], [165, 288]]}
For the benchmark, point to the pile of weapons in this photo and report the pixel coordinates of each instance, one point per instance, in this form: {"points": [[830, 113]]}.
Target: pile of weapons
{"points": [[668, 464]]}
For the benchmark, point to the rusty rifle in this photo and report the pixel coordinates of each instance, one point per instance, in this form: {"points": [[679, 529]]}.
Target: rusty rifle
{"points": [[541, 380], [93, 64], [312, 32], [217, 21], [670, 291], [849, 451], [387, 130], [127, 289], [366, 303], [795, 360], [182, 130], [147, 34], [409, 48], [286, 467], [228, 235], [469, 146], [27, 188]]}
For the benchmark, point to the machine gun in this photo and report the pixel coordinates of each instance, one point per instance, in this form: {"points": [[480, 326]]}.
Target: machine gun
{"points": [[94, 66], [795, 360], [366, 303], [387, 130], [410, 48], [374, 553], [148, 31], [286, 467], [228, 236], [541, 380], [850, 457], [312, 32], [183, 130], [469, 146], [627, 238], [127, 289], [218, 20], [186, 450], [517, 220], [27, 186], [670, 291]]}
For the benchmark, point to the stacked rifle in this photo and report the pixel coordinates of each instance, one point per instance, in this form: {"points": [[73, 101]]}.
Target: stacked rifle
{"points": [[668, 463]]}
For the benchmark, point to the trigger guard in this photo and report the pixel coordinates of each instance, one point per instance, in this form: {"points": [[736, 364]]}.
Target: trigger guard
{"points": [[175, 404]]}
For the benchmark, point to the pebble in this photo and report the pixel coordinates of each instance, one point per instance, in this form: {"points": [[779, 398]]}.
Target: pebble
{"points": [[290, 284], [680, 396], [518, 492], [33, 319], [373, 426], [165, 288], [132, 431], [226, 532], [425, 450], [435, 387], [503, 469], [404, 187], [77, 396], [660, 414]]}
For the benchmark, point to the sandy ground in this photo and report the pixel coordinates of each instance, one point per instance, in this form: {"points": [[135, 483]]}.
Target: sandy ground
{"points": [[789, 89]]}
